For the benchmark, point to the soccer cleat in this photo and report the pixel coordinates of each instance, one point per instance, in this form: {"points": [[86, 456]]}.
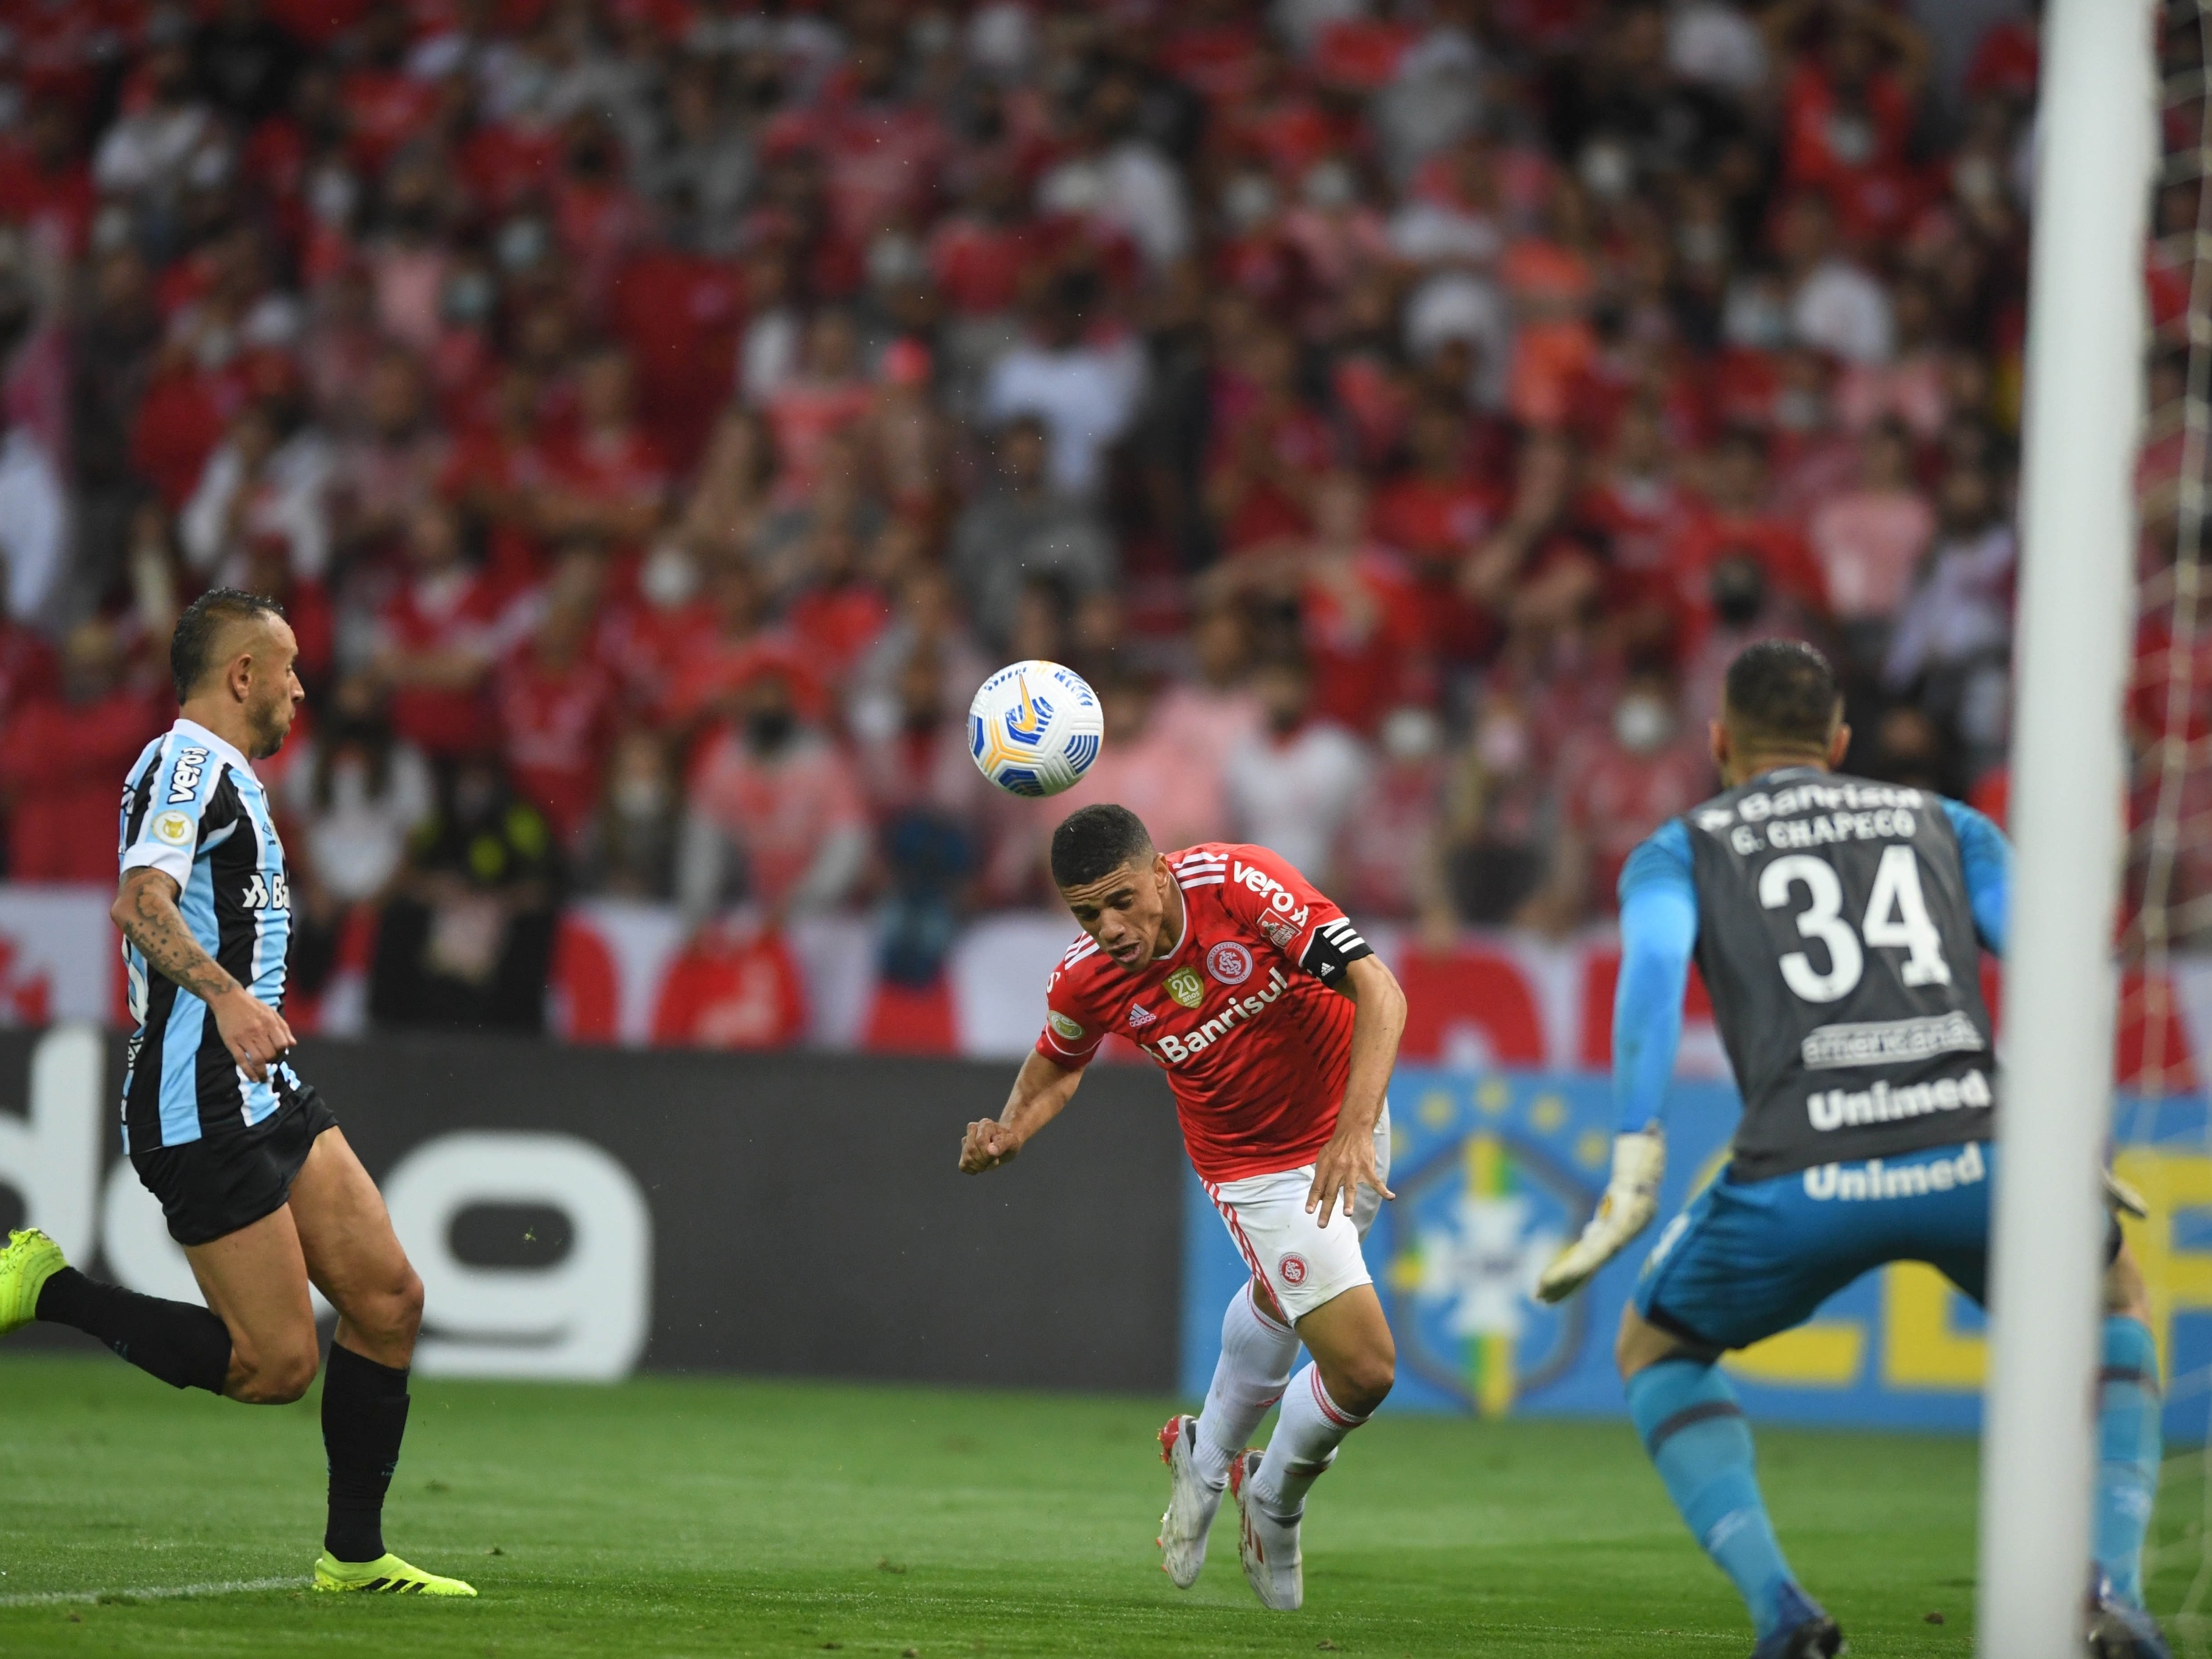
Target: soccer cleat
{"points": [[1806, 1631], [386, 1576], [1191, 1505], [2118, 1630], [1268, 1547], [29, 1260]]}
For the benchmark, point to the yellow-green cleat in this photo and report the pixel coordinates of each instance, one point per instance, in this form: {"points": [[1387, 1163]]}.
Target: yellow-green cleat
{"points": [[386, 1576], [30, 1260]]}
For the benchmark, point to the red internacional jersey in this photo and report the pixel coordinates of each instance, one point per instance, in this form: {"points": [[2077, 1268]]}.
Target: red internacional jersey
{"points": [[1240, 1014]]}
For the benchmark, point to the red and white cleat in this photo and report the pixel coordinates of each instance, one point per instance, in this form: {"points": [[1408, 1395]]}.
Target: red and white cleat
{"points": [[1268, 1547], [1191, 1504]]}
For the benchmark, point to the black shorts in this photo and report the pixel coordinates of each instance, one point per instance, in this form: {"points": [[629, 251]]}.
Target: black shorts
{"points": [[219, 1184]]}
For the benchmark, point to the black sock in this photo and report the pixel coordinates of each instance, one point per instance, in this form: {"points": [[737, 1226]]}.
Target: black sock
{"points": [[186, 1347], [364, 1415]]}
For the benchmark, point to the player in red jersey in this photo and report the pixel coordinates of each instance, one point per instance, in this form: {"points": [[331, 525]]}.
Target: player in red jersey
{"points": [[1277, 1026]]}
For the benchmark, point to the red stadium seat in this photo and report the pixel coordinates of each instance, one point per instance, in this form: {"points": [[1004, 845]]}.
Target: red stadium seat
{"points": [[1472, 991]]}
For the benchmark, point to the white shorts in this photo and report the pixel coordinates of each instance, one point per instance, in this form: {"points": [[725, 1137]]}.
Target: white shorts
{"points": [[1302, 1262]]}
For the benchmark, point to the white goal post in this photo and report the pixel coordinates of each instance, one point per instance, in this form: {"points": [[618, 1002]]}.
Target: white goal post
{"points": [[2085, 348]]}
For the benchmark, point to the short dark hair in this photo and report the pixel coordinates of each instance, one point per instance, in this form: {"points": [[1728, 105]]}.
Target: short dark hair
{"points": [[192, 648], [1783, 692], [1096, 841]]}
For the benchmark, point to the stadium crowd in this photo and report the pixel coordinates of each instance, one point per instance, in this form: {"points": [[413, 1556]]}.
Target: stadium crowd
{"points": [[658, 415]]}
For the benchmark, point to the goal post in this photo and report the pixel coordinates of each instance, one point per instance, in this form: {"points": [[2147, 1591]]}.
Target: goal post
{"points": [[2085, 347]]}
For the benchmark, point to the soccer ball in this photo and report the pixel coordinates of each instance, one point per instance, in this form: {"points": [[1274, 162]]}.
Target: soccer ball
{"points": [[1035, 728]]}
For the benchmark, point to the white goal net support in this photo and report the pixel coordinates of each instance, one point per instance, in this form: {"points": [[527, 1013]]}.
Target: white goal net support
{"points": [[2169, 890]]}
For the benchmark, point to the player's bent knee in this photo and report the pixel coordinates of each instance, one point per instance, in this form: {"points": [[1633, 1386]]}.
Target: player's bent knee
{"points": [[1361, 1382], [276, 1379], [407, 1309]]}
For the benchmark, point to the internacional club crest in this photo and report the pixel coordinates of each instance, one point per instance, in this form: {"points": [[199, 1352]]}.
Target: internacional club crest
{"points": [[1229, 963]]}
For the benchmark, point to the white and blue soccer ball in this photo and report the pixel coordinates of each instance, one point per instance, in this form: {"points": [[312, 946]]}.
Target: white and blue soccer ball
{"points": [[1035, 728]]}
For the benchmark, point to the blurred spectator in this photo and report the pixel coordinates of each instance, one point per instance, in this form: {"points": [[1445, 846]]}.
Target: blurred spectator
{"points": [[627, 849], [926, 796], [1835, 306], [466, 938], [1738, 522], [1870, 540], [1024, 530], [1619, 786], [382, 473], [353, 798], [147, 156], [1908, 748], [1498, 817], [30, 671], [34, 524], [244, 61], [775, 815], [1387, 856], [1112, 176], [609, 479], [439, 635], [1296, 789], [556, 695], [270, 476], [1212, 711], [1268, 446], [1084, 388], [824, 399], [63, 757], [1951, 649]]}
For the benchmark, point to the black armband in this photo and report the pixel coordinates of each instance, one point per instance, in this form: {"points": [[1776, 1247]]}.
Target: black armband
{"points": [[1335, 946]]}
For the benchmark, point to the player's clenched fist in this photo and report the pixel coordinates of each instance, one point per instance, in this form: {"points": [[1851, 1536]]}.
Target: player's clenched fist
{"points": [[988, 1144], [255, 1033]]}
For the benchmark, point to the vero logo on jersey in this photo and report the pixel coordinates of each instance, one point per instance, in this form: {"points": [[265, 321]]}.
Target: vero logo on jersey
{"points": [[184, 781], [1280, 898]]}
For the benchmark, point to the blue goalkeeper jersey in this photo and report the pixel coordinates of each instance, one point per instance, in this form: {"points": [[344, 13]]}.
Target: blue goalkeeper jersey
{"points": [[193, 809]]}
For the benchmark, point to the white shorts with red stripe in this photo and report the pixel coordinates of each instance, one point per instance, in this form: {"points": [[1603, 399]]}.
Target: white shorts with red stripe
{"points": [[1302, 1262]]}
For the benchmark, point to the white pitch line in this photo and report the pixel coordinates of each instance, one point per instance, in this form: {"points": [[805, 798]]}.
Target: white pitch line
{"points": [[151, 1593]]}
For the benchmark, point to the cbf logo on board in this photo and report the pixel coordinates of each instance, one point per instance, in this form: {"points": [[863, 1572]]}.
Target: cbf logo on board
{"points": [[1486, 1197]]}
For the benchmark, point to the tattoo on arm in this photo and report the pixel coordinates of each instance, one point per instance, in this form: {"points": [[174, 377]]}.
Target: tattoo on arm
{"points": [[147, 912]]}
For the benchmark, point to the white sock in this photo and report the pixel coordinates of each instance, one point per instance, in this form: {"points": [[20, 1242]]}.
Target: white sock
{"points": [[1249, 1377], [1307, 1435]]}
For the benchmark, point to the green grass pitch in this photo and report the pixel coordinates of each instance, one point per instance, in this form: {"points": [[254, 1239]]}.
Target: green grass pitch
{"points": [[710, 1517]]}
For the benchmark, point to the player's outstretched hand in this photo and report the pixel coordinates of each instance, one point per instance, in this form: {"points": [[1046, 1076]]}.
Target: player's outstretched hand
{"points": [[255, 1033], [988, 1144], [1631, 1198], [1346, 1164]]}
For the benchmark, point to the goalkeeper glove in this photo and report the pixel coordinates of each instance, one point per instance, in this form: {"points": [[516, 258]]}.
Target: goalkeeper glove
{"points": [[1631, 1198]]}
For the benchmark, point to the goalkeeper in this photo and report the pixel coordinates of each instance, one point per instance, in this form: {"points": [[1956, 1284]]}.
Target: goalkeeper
{"points": [[1838, 922]]}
